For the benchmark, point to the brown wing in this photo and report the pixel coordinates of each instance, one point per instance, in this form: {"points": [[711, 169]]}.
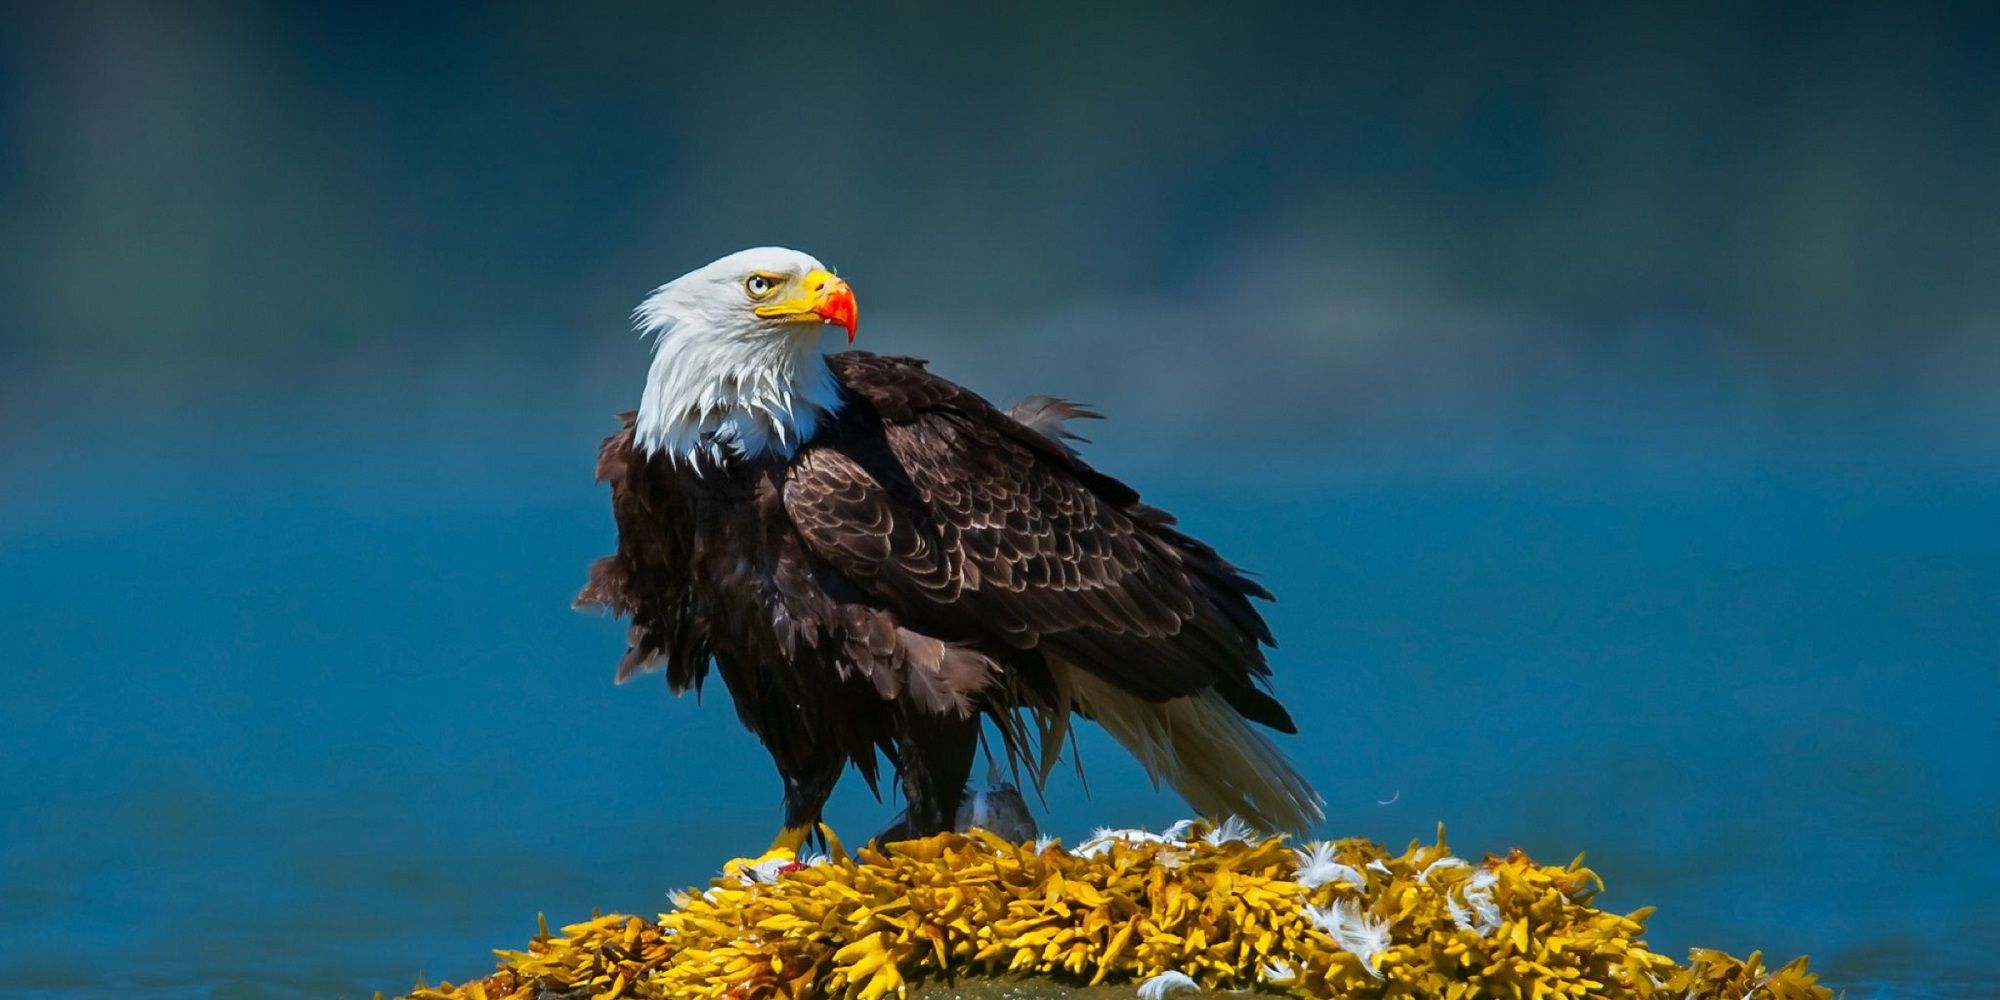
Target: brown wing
{"points": [[649, 577], [971, 526]]}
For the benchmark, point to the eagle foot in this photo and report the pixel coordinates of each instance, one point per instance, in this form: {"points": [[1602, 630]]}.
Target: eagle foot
{"points": [[764, 867], [781, 857]]}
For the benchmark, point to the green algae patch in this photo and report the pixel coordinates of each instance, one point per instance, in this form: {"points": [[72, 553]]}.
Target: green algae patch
{"points": [[1129, 913]]}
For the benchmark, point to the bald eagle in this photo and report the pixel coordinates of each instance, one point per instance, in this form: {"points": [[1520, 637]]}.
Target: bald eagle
{"points": [[878, 562]]}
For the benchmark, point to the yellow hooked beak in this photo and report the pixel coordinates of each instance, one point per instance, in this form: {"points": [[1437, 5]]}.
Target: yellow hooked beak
{"points": [[823, 298]]}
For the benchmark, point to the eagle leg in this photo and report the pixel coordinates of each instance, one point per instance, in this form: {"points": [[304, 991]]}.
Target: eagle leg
{"points": [[935, 757], [808, 784], [789, 840]]}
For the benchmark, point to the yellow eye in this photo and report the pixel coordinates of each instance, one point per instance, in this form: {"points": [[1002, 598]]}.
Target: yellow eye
{"points": [[759, 286]]}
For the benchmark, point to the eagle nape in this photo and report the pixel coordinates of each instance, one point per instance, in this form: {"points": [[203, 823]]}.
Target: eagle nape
{"points": [[878, 563]]}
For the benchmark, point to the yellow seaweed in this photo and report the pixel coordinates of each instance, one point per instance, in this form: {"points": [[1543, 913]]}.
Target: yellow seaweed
{"points": [[1232, 915]]}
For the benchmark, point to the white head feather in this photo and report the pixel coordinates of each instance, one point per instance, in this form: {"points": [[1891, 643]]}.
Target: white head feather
{"points": [[726, 382]]}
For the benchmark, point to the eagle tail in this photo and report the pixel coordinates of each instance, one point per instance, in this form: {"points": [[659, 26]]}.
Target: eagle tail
{"points": [[1209, 754]]}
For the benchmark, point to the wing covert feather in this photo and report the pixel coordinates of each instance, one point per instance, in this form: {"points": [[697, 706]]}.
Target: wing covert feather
{"points": [[968, 524]]}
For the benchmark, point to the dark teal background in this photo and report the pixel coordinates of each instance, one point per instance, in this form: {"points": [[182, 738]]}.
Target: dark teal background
{"points": [[1610, 393]]}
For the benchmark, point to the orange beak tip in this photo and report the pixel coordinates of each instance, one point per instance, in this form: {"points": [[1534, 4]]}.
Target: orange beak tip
{"points": [[838, 310]]}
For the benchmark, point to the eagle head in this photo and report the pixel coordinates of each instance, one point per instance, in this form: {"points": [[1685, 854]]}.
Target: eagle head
{"points": [[737, 369], [759, 292]]}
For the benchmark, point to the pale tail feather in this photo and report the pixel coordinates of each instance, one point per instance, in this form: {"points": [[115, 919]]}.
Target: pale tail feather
{"points": [[1207, 752]]}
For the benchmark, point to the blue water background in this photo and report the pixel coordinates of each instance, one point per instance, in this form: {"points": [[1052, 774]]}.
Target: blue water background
{"points": [[311, 716]]}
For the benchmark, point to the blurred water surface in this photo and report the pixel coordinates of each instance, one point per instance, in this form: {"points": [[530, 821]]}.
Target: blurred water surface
{"points": [[290, 720]]}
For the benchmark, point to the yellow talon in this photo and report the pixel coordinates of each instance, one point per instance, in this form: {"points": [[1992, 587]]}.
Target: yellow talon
{"points": [[755, 867], [789, 840]]}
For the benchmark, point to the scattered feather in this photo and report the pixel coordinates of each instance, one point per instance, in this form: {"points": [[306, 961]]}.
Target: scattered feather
{"points": [[1424, 877], [1230, 831], [1104, 838], [1479, 912], [1317, 866], [1356, 932], [1277, 972], [1167, 983]]}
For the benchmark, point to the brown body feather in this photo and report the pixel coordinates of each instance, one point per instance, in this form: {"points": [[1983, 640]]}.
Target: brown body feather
{"points": [[925, 561]]}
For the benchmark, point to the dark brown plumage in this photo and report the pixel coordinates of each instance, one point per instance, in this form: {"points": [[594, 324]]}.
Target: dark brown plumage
{"points": [[926, 561]]}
